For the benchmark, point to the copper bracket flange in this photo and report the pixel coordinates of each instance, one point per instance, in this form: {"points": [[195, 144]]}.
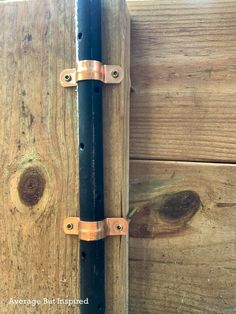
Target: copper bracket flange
{"points": [[91, 70], [95, 230]]}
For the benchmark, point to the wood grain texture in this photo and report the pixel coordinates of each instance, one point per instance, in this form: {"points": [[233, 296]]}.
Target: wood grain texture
{"points": [[182, 260], [38, 154], [116, 50], [183, 72]]}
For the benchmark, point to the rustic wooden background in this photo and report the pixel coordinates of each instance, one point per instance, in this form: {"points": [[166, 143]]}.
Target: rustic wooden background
{"points": [[182, 145], [183, 154]]}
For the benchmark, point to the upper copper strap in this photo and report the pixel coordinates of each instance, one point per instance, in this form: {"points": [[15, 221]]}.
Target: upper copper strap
{"points": [[91, 70]]}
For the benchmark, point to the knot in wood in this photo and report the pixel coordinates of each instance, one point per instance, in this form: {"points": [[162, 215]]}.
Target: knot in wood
{"points": [[31, 186]]}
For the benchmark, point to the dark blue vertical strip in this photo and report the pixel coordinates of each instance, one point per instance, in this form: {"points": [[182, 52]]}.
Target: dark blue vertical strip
{"points": [[92, 283]]}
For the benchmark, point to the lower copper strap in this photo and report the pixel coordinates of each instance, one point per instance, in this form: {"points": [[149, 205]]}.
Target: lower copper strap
{"points": [[95, 230]]}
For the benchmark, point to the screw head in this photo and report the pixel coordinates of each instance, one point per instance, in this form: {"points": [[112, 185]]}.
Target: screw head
{"points": [[69, 226], [119, 227], [68, 78], [115, 74]]}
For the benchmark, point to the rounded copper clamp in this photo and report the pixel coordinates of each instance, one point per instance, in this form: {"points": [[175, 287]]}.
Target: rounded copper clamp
{"points": [[95, 230], [91, 70]]}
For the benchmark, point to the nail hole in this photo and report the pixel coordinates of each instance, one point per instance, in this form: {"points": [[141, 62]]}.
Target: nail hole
{"points": [[83, 255], [98, 198], [80, 35], [81, 146], [96, 89], [99, 307]]}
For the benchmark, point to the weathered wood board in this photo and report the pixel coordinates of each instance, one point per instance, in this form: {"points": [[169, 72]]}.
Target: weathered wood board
{"points": [[182, 231], [183, 71], [116, 50], [38, 154], [183, 237]]}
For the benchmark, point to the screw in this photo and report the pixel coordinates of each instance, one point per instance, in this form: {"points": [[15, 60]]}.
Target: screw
{"points": [[70, 226], [119, 227], [68, 78], [115, 74]]}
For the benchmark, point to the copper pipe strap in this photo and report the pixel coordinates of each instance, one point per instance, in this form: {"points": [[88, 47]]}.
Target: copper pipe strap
{"points": [[91, 70], [95, 230]]}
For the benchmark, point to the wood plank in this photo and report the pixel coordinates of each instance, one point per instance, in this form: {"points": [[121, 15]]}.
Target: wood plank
{"points": [[116, 50], [38, 154], [183, 74], [182, 245]]}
